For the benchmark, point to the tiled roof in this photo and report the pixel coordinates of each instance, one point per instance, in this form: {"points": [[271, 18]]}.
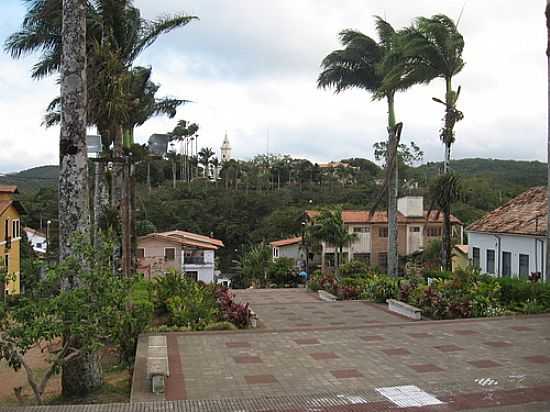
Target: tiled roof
{"points": [[8, 189], [462, 249], [186, 239], [523, 215], [5, 204], [286, 242], [363, 216]]}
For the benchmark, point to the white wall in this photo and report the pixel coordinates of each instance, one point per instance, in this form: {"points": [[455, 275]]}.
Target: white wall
{"points": [[36, 240], [526, 245], [205, 272]]}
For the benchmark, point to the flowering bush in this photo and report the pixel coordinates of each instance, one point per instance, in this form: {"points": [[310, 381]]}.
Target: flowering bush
{"points": [[237, 313], [379, 288]]}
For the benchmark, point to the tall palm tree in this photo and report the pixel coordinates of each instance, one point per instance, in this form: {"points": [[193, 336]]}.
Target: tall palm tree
{"points": [[119, 96], [204, 158], [433, 49], [365, 63], [547, 269], [82, 373]]}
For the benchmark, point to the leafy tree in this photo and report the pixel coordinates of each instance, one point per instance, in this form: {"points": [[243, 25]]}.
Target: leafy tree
{"points": [[255, 264], [83, 319], [365, 63]]}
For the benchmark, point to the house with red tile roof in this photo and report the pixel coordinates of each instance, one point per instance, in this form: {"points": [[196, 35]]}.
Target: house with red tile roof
{"points": [[510, 240], [415, 230], [185, 252]]}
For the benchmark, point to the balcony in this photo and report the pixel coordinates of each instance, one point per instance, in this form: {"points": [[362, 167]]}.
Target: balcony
{"points": [[194, 260]]}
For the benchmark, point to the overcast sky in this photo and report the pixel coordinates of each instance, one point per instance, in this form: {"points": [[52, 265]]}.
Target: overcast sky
{"points": [[250, 67]]}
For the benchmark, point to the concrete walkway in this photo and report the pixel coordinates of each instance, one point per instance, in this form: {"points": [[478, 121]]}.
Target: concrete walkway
{"points": [[336, 350]]}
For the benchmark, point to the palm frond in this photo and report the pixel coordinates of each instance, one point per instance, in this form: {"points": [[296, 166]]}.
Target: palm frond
{"points": [[151, 30], [385, 31]]}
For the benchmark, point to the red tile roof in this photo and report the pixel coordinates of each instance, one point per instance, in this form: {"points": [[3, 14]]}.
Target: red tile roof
{"points": [[462, 249], [8, 189], [523, 215], [5, 204], [186, 239], [363, 216], [286, 242]]}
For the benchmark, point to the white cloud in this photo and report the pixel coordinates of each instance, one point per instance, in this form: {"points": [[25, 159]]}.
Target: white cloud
{"points": [[251, 68]]}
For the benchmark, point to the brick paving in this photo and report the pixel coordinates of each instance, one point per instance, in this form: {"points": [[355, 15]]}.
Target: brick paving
{"points": [[452, 360]]}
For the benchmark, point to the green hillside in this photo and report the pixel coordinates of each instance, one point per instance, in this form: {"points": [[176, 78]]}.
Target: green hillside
{"points": [[31, 180]]}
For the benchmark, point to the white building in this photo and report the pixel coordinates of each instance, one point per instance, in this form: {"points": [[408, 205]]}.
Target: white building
{"points": [[510, 241], [37, 239], [188, 253], [225, 150]]}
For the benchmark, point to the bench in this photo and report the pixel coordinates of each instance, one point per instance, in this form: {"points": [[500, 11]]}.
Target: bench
{"points": [[404, 309], [157, 363], [327, 297]]}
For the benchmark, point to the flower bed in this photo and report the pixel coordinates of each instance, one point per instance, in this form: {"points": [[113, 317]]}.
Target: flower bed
{"points": [[190, 305], [462, 294]]}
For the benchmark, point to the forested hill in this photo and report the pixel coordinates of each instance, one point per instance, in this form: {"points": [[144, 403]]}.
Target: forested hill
{"points": [[32, 179], [508, 173]]}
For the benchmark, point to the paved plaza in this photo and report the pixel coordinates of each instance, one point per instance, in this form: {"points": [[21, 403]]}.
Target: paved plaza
{"points": [[359, 353]]}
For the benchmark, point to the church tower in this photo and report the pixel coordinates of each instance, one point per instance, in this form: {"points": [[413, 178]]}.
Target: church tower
{"points": [[226, 149]]}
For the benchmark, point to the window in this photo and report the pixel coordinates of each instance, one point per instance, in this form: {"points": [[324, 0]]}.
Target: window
{"points": [[329, 259], [414, 229], [383, 260], [140, 253], [523, 266], [192, 275], [39, 245], [475, 258], [382, 232], [490, 261], [361, 229], [169, 253], [363, 257], [6, 228], [434, 231], [506, 264], [275, 252], [15, 228]]}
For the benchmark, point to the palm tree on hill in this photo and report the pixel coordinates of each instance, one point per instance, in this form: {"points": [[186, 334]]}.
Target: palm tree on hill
{"points": [[204, 158], [365, 63], [433, 49]]}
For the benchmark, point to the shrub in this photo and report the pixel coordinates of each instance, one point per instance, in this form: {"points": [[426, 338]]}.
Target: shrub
{"points": [[168, 286], [379, 288], [237, 313], [314, 283], [281, 272], [136, 317], [353, 268], [194, 306]]}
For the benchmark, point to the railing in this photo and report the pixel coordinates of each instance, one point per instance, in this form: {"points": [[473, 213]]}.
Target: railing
{"points": [[194, 260]]}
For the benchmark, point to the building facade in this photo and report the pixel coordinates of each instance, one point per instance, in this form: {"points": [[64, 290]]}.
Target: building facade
{"points": [[188, 253], [511, 241], [37, 239], [10, 239], [415, 230]]}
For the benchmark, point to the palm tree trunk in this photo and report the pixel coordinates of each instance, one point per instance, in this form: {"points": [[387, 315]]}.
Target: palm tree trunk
{"points": [[393, 260], [74, 209], [446, 232], [149, 176], [101, 199], [547, 271]]}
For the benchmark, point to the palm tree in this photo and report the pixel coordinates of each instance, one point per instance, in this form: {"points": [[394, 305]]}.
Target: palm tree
{"points": [[82, 373], [547, 271], [204, 158], [365, 63], [182, 132], [433, 49], [329, 227]]}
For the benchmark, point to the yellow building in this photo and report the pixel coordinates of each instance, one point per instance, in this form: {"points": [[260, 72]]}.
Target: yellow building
{"points": [[460, 257], [10, 238]]}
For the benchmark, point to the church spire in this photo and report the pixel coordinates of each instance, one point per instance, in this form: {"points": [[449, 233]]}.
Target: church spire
{"points": [[226, 149]]}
